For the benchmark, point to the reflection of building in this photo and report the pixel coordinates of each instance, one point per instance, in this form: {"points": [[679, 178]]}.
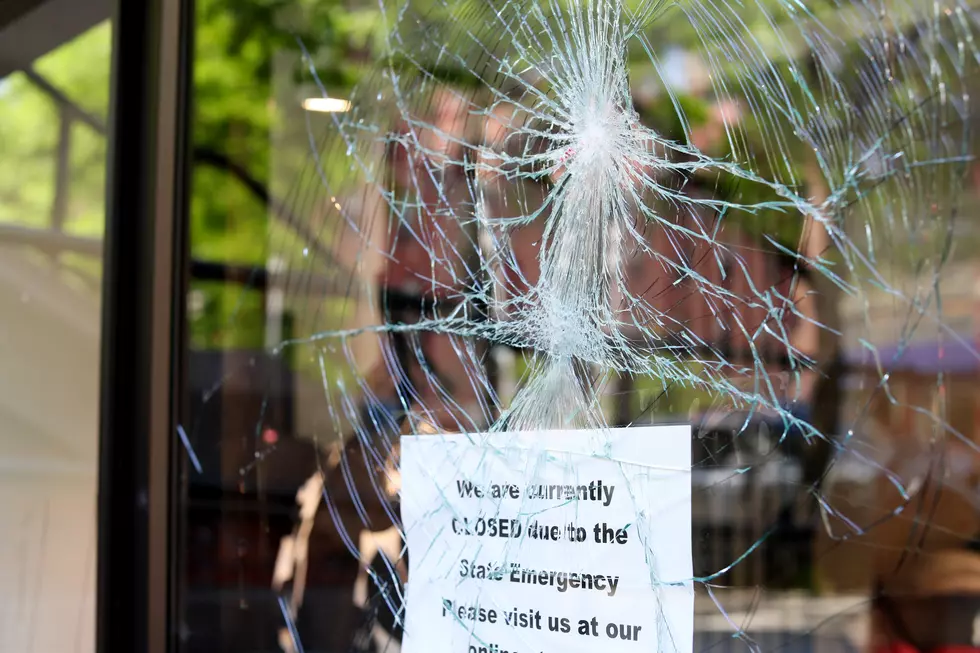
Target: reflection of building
{"points": [[913, 350], [921, 422], [683, 305]]}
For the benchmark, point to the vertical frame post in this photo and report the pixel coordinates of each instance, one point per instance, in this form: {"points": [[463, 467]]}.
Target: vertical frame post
{"points": [[143, 326]]}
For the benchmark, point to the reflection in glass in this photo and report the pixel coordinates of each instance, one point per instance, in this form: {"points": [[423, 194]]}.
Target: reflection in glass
{"points": [[52, 218], [797, 283]]}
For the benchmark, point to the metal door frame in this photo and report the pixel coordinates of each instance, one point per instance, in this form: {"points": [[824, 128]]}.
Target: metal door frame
{"points": [[143, 326]]}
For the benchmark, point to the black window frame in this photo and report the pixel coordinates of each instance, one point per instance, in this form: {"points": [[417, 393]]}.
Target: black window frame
{"points": [[143, 327]]}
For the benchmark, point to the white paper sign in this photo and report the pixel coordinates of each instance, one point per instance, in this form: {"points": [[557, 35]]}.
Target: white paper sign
{"points": [[549, 542]]}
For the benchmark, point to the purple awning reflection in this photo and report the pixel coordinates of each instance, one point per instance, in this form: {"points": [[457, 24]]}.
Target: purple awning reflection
{"points": [[953, 356]]}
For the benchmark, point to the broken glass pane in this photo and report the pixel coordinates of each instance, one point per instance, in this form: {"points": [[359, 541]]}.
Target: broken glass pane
{"points": [[509, 217]]}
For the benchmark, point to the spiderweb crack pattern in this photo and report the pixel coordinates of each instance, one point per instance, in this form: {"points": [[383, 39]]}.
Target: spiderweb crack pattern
{"points": [[530, 206]]}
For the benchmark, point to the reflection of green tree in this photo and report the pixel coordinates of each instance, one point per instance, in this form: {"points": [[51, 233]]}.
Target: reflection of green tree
{"points": [[30, 123], [235, 116]]}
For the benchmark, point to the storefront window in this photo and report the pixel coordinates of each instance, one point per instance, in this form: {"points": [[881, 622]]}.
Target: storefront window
{"points": [[486, 327], [418, 230]]}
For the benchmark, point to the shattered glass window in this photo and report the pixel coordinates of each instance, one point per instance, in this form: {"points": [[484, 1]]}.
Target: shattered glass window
{"points": [[439, 217]]}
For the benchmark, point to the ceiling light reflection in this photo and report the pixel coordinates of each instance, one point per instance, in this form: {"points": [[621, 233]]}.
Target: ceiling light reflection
{"points": [[326, 104]]}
